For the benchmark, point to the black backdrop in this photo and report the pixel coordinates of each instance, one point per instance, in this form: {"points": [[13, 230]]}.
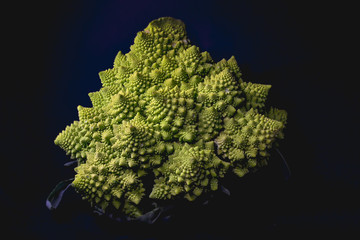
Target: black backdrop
{"points": [[54, 50]]}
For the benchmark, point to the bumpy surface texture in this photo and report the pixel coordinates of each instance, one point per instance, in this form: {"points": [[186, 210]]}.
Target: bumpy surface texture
{"points": [[168, 123]]}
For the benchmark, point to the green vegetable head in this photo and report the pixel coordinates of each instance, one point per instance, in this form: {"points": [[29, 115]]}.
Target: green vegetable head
{"points": [[167, 112]]}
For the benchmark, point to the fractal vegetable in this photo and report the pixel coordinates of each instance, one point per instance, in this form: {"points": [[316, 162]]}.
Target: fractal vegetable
{"points": [[168, 123]]}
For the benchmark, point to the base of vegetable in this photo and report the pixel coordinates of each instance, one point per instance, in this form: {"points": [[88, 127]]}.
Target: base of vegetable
{"points": [[164, 211]]}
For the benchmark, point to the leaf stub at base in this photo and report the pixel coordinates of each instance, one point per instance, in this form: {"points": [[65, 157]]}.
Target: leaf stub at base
{"points": [[55, 196]]}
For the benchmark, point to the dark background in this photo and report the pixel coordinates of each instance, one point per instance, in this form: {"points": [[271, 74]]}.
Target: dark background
{"points": [[54, 50]]}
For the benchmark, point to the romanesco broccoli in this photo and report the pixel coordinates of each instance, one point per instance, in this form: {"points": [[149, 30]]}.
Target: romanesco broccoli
{"points": [[168, 112]]}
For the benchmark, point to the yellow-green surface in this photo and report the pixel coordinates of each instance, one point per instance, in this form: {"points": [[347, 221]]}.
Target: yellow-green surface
{"points": [[168, 111]]}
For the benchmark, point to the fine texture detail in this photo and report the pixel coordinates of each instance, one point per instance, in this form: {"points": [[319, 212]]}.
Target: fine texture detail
{"points": [[168, 123]]}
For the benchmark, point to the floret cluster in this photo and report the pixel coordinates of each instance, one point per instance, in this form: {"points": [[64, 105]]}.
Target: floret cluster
{"points": [[167, 112]]}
